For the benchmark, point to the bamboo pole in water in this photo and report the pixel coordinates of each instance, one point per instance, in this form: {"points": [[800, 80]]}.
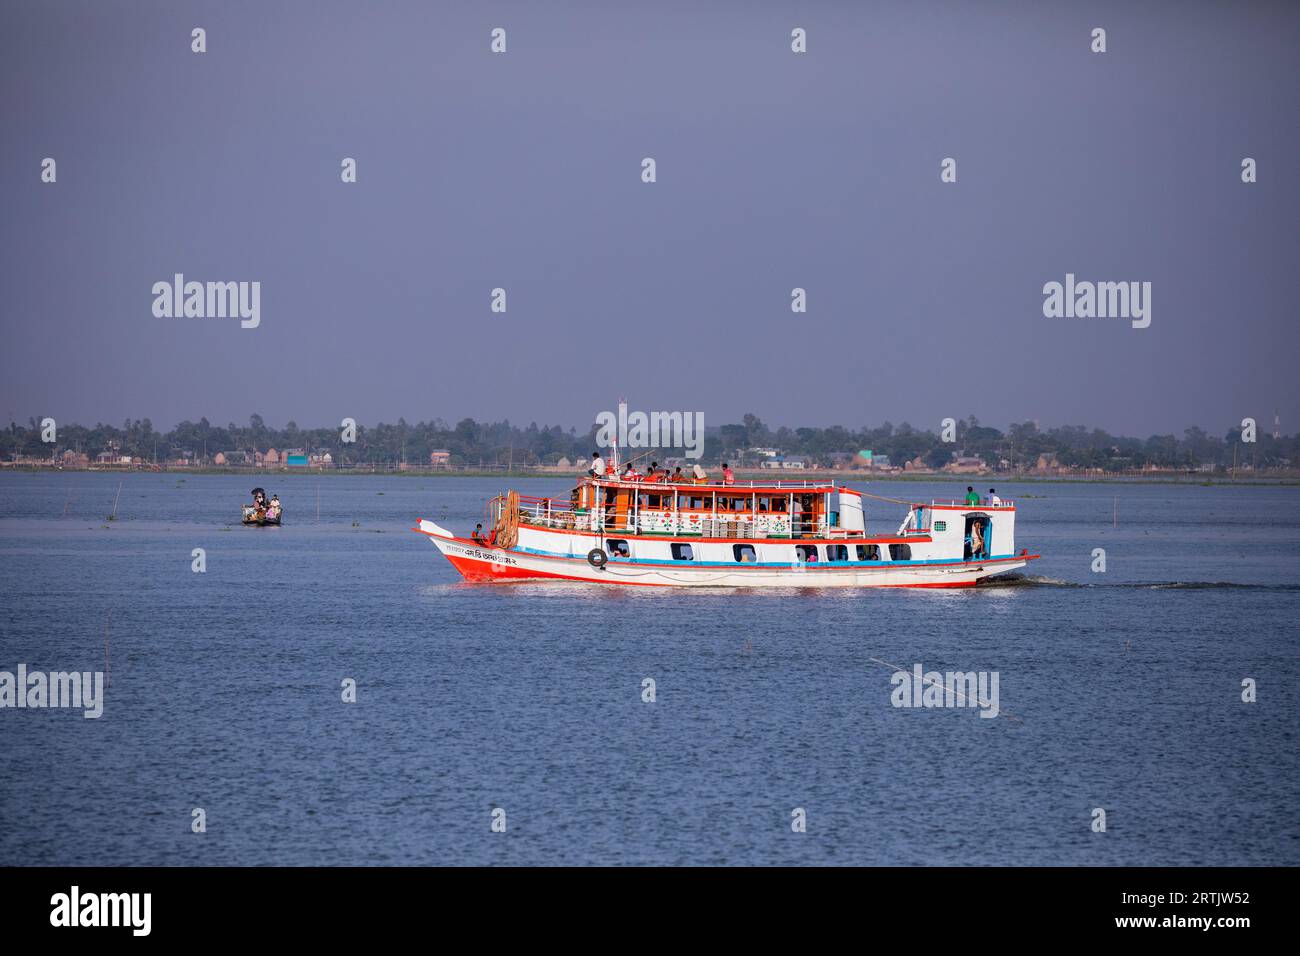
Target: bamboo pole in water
{"points": [[108, 673]]}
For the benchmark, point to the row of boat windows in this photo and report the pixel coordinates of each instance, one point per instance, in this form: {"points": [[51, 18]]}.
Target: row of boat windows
{"points": [[806, 553], [777, 503]]}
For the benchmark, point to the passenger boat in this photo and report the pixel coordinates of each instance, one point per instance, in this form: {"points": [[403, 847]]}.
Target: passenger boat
{"points": [[782, 534]]}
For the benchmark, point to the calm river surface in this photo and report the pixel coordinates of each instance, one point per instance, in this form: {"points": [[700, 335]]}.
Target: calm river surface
{"points": [[224, 689]]}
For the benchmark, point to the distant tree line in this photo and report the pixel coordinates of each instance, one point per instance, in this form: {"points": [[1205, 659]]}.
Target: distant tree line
{"points": [[496, 444]]}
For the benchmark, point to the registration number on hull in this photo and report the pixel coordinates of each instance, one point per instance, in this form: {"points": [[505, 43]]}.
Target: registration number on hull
{"points": [[495, 557]]}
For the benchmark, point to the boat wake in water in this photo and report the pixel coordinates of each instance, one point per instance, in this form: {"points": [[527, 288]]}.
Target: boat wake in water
{"points": [[1034, 580]]}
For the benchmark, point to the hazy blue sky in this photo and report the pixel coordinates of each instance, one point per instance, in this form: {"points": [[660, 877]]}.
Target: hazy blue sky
{"points": [[775, 170]]}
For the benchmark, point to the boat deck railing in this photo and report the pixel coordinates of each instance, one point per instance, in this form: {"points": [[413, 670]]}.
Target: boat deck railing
{"points": [[562, 515], [706, 528], [1005, 503]]}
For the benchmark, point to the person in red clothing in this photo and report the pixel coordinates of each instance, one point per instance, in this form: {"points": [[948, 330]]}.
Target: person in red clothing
{"points": [[728, 476]]}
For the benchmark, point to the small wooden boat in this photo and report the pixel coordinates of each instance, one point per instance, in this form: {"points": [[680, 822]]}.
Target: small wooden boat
{"points": [[261, 512], [253, 516]]}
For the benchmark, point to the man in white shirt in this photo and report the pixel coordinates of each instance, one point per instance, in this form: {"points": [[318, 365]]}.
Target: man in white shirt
{"points": [[993, 497], [597, 465]]}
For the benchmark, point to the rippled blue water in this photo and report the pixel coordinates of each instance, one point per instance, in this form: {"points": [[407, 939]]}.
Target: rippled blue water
{"points": [[225, 690]]}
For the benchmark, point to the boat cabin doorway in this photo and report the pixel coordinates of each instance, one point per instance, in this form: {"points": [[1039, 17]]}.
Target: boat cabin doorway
{"points": [[976, 545]]}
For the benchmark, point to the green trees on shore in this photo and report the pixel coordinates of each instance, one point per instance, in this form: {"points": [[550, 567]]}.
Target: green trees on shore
{"points": [[496, 444]]}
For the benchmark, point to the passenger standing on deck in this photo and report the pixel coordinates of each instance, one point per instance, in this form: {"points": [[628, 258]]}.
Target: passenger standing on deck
{"points": [[728, 476], [993, 497], [597, 465], [677, 474], [972, 496]]}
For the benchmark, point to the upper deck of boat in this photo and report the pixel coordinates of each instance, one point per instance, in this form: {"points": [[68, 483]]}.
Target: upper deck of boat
{"points": [[696, 487]]}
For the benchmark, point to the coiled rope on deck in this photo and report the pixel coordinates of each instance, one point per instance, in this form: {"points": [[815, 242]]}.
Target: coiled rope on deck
{"points": [[507, 528]]}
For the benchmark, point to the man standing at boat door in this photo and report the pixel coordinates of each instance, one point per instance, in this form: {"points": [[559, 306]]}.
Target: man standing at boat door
{"points": [[918, 512]]}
